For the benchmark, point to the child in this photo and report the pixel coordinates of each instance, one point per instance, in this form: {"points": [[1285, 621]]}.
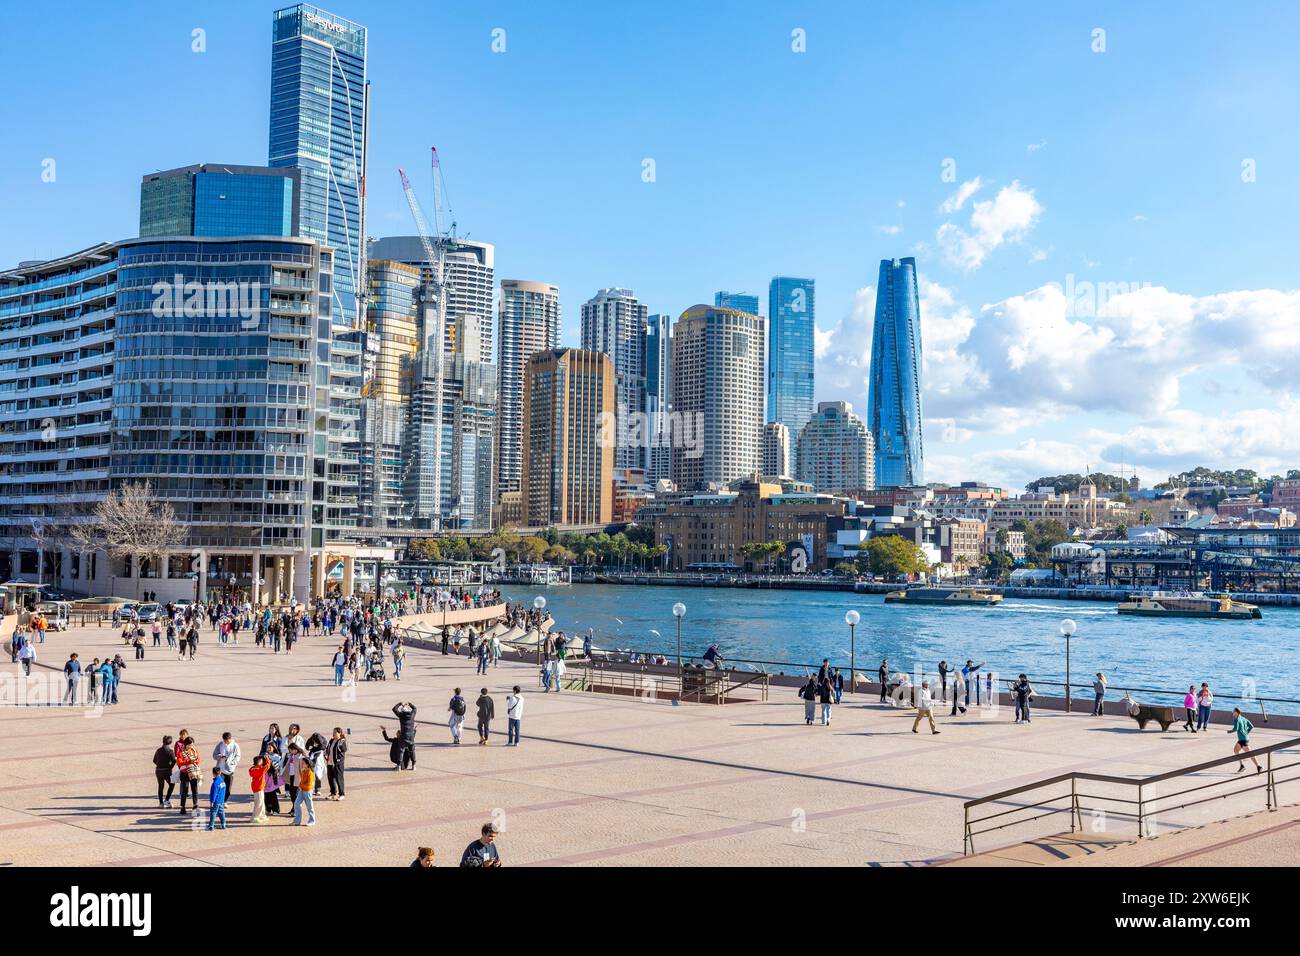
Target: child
{"points": [[217, 801], [272, 781], [257, 777]]}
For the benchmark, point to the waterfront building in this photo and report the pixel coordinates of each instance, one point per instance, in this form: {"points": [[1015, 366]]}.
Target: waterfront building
{"points": [[836, 452], [614, 323], [215, 402], [568, 461], [713, 528], [1084, 509], [56, 387], [1002, 539], [740, 301], [529, 322], [470, 269], [961, 542], [217, 199], [894, 396], [658, 350], [1237, 507], [776, 450], [791, 317], [717, 395]]}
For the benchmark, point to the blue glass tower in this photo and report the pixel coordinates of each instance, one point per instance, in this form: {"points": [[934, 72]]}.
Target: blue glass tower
{"points": [[894, 399], [791, 312], [319, 96], [740, 301], [220, 200]]}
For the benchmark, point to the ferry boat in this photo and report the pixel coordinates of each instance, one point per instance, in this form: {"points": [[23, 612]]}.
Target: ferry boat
{"points": [[979, 596], [1164, 604]]}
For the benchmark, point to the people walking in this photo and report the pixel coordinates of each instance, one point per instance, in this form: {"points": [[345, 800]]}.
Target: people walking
{"points": [[399, 659], [304, 807], [27, 654], [883, 674], [456, 708], [1204, 706], [188, 772], [837, 684], [1242, 728], [1099, 694], [340, 662], [825, 694], [486, 710], [514, 716], [164, 767], [924, 708], [809, 694], [1189, 705]]}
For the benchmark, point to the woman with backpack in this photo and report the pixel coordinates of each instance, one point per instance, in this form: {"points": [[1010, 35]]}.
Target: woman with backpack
{"points": [[188, 771], [457, 720]]}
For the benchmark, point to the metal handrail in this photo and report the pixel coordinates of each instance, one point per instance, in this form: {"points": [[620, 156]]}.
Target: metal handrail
{"points": [[1143, 802]]}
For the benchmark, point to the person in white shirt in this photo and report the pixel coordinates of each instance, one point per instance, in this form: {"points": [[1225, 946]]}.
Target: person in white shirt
{"points": [[514, 716], [225, 757], [923, 708]]}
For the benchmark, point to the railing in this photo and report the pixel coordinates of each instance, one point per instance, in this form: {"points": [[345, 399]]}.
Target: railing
{"points": [[719, 687], [1142, 806]]}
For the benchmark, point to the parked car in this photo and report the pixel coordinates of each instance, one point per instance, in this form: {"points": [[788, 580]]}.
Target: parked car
{"points": [[148, 613]]}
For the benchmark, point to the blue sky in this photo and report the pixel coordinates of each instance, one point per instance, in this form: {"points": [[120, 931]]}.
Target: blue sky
{"points": [[1069, 165]]}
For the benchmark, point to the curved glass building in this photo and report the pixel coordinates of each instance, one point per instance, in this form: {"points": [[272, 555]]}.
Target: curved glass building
{"points": [[894, 397]]}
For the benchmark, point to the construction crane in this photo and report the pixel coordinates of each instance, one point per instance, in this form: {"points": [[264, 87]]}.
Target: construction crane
{"points": [[435, 253]]}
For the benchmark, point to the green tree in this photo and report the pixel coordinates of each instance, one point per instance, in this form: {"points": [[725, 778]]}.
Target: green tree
{"points": [[892, 554]]}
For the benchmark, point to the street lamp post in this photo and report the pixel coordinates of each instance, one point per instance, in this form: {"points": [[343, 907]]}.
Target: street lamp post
{"points": [[851, 618], [1068, 628], [539, 602], [679, 612]]}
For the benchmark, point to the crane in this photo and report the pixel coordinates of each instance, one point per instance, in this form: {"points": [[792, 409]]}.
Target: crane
{"points": [[435, 253]]}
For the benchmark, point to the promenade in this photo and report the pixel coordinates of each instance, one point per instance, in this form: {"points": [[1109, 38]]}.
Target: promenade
{"points": [[598, 780]]}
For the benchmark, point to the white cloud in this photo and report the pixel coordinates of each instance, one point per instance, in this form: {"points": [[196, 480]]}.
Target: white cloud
{"points": [[891, 230], [1035, 147], [958, 199], [1008, 217]]}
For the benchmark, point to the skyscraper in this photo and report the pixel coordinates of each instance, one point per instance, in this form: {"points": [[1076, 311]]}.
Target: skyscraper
{"points": [[568, 466], [658, 395], [740, 301], [894, 398], [529, 320], [836, 451], [613, 322], [776, 451], [471, 281], [318, 124], [717, 395], [791, 317]]}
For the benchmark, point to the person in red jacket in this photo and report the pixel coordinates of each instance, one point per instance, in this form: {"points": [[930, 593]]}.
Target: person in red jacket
{"points": [[257, 784]]}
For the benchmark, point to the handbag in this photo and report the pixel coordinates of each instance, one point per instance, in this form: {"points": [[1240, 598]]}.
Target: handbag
{"points": [[176, 774]]}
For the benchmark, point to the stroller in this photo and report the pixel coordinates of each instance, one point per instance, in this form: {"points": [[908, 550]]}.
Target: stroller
{"points": [[375, 666]]}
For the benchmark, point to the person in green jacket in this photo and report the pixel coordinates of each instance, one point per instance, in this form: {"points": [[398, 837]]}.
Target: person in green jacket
{"points": [[1242, 728]]}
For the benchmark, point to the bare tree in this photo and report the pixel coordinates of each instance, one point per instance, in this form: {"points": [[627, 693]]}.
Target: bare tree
{"points": [[136, 525]]}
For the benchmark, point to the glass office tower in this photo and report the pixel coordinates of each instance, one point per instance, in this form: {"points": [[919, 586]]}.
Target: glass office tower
{"points": [[894, 398], [319, 117], [740, 301], [791, 310], [212, 199]]}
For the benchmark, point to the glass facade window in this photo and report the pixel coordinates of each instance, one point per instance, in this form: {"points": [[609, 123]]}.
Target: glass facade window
{"points": [[791, 309], [894, 397], [216, 200]]}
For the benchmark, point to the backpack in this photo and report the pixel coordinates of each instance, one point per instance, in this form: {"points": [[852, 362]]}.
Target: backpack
{"points": [[458, 706]]}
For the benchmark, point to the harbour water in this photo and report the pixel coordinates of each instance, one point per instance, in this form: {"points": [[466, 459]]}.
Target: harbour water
{"points": [[1252, 658]]}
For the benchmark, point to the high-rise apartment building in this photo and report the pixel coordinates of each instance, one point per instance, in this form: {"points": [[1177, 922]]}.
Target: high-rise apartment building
{"points": [[658, 396], [717, 395], [613, 322], [740, 301], [528, 322], [894, 396], [217, 199], [568, 465], [470, 284], [775, 451], [791, 324], [836, 451], [388, 367]]}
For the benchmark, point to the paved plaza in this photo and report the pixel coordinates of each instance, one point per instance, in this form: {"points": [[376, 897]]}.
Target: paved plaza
{"points": [[599, 780]]}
